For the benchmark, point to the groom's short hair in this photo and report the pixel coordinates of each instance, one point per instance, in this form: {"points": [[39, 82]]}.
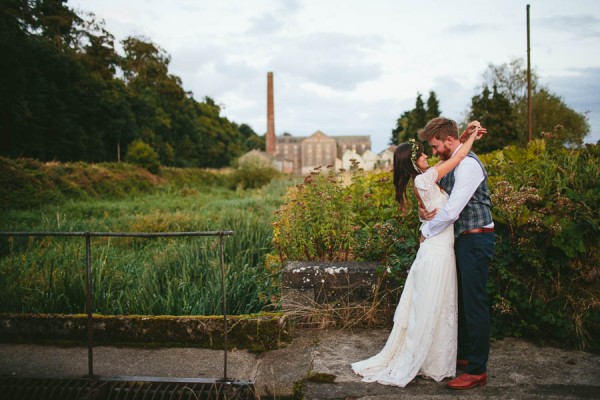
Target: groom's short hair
{"points": [[439, 128]]}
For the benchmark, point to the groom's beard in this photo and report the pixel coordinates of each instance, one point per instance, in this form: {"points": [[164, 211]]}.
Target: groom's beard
{"points": [[445, 153]]}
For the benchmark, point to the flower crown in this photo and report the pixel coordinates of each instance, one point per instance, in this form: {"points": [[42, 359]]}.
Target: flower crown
{"points": [[414, 154]]}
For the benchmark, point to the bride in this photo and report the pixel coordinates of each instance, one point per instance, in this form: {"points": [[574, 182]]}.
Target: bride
{"points": [[423, 338]]}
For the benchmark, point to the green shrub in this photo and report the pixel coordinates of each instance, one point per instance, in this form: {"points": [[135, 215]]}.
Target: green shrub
{"points": [[345, 216], [253, 172], [546, 204], [544, 279], [27, 183], [143, 154]]}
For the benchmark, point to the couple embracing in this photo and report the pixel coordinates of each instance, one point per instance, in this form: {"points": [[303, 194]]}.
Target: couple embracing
{"points": [[442, 321]]}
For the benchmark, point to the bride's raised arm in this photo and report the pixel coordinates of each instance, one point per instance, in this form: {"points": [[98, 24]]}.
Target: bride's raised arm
{"points": [[473, 132]]}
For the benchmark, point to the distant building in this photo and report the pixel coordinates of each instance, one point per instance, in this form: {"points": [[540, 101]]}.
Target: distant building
{"points": [[301, 155], [386, 159]]}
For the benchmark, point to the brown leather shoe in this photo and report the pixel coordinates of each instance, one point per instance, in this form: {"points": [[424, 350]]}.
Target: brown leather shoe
{"points": [[467, 381], [461, 364]]}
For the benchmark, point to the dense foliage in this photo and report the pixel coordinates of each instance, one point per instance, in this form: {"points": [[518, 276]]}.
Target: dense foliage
{"points": [[343, 217], [547, 263], [66, 94], [544, 277]]}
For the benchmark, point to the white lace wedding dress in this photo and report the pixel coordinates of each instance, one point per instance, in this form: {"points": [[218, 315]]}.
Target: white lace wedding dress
{"points": [[423, 339]]}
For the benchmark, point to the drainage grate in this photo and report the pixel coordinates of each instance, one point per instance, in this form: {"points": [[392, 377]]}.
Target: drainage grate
{"points": [[122, 388]]}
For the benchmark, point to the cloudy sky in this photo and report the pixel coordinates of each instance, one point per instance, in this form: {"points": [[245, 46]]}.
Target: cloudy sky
{"points": [[351, 67]]}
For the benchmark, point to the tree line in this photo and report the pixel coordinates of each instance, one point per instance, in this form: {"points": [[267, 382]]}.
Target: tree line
{"points": [[501, 106], [66, 94]]}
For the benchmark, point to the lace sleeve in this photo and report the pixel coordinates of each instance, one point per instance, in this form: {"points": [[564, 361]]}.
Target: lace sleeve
{"points": [[426, 180], [425, 183]]}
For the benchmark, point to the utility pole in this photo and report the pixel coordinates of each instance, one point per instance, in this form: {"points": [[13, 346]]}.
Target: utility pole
{"points": [[529, 121], [271, 141]]}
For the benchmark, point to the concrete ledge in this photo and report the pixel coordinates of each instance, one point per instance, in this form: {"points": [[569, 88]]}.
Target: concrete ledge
{"points": [[338, 293], [259, 332]]}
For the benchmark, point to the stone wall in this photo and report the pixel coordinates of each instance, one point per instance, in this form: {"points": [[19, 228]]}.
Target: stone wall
{"points": [[313, 294], [258, 332], [338, 293]]}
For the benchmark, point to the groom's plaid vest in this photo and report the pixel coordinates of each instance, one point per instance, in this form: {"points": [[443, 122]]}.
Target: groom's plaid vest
{"points": [[477, 213]]}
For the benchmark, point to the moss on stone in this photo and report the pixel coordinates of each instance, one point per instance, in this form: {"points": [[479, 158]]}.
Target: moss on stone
{"points": [[256, 332], [320, 377]]}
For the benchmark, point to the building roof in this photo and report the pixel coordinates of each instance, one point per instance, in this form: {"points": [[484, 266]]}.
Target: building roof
{"points": [[318, 136], [290, 139], [368, 155], [352, 138], [338, 137]]}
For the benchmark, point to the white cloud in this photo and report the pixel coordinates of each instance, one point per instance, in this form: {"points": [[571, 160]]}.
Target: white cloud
{"points": [[581, 92], [310, 56], [575, 26], [352, 67]]}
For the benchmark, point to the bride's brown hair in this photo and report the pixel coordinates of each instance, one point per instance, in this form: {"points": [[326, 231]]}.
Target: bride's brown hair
{"points": [[404, 170]]}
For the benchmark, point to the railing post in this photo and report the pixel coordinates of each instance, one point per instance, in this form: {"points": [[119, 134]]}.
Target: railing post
{"points": [[88, 305], [89, 308], [224, 308]]}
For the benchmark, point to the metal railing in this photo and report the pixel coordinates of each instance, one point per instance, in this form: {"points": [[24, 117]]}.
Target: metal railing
{"points": [[115, 388], [89, 303]]}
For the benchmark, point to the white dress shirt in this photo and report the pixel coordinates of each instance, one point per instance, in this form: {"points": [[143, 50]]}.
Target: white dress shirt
{"points": [[468, 175]]}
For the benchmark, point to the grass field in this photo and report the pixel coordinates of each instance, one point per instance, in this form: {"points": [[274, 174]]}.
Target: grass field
{"points": [[172, 276]]}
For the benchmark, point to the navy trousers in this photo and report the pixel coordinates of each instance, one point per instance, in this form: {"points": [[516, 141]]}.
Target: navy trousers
{"points": [[473, 255]]}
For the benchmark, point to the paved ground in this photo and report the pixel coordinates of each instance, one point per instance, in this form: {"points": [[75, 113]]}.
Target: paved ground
{"points": [[517, 369]]}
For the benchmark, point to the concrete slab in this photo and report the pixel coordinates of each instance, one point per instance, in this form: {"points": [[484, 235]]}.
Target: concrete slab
{"points": [[280, 370], [334, 356], [60, 362], [515, 362], [517, 369]]}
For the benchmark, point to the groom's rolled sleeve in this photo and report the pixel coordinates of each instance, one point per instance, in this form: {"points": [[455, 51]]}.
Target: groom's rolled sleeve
{"points": [[467, 177]]}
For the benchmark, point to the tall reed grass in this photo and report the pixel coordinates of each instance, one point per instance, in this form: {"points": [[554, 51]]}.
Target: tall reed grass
{"points": [[160, 276]]}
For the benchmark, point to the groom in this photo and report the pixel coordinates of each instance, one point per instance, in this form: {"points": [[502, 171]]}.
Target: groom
{"points": [[468, 208]]}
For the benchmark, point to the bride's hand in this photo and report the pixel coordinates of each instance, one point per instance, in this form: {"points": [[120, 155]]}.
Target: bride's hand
{"points": [[426, 215], [469, 130], [480, 132]]}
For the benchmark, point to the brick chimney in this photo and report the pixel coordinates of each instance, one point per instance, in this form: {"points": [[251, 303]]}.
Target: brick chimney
{"points": [[270, 139]]}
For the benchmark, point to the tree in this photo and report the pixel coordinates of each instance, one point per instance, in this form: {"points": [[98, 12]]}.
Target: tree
{"points": [[433, 107], [57, 22], [250, 139], [510, 79], [67, 95], [409, 123], [548, 110], [399, 132], [96, 48], [143, 154], [144, 61], [494, 112]]}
